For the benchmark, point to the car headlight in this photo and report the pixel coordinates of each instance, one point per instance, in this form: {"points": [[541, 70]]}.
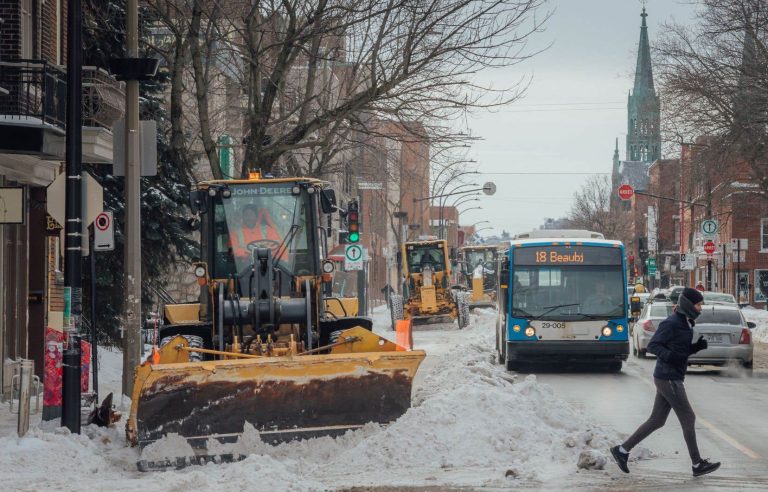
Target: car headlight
{"points": [[607, 331], [529, 332]]}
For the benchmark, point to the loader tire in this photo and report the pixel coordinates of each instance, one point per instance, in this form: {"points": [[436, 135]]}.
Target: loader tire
{"points": [[395, 309], [194, 342], [462, 304]]}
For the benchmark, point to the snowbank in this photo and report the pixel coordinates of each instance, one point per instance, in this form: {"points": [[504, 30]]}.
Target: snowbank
{"points": [[760, 318], [471, 425]]}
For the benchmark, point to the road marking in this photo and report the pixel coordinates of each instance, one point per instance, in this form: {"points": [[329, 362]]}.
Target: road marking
{"points": [[716, 431], [730, 440]]}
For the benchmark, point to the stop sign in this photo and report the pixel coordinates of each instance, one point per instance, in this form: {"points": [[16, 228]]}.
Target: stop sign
{"points": [[626, 192], [709, 247]]}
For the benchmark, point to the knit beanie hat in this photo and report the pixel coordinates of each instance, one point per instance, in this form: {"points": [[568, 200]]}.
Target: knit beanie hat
{"points": [[693, 295]]}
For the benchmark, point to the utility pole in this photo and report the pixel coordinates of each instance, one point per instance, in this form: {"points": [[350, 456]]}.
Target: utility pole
{"points": [[132, 258], [73, 229]]}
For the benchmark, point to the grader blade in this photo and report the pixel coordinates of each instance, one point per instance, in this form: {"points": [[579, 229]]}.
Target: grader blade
{"points": [[283, 397]]}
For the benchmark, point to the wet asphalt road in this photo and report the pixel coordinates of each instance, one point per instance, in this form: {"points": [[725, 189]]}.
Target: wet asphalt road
{"points": [[732, 424]]}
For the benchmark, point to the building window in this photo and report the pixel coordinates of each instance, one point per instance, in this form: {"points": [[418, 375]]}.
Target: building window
{"points": [[764, 234]]}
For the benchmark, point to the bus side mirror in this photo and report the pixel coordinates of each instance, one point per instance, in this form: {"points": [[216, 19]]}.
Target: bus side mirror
{"points": [[328, 201]]}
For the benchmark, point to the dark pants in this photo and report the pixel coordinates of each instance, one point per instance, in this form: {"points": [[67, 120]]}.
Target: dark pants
{"points": [[670, 395]]}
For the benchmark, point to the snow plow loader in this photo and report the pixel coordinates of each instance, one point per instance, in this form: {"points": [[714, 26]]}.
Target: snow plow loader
{"points": [[427, 296], [478, 267], [262, 344]]}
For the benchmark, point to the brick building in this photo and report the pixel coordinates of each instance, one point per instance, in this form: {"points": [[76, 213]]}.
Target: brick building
{"points": [[33, 38]]}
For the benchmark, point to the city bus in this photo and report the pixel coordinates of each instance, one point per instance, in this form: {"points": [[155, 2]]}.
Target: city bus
{"points": [[563, 299]]}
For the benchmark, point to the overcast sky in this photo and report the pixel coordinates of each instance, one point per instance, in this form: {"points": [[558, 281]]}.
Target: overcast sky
{"points": [[572, 113]]}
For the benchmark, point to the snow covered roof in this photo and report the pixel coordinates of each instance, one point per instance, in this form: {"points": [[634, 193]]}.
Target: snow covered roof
{"points": [[635, 174]]}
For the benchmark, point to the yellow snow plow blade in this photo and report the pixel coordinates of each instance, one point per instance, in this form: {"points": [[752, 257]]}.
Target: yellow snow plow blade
{"points": [[284, 397]]}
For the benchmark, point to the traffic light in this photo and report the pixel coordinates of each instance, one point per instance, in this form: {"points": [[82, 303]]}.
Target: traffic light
{"points": [[353, 222]]}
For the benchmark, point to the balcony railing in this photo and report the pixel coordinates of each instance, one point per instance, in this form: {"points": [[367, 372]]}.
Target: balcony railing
{"points": [[37, 91]]}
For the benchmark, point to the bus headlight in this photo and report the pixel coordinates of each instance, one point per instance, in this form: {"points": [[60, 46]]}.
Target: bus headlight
{"points": [[516, 328], [607, 331], [529, 332]]}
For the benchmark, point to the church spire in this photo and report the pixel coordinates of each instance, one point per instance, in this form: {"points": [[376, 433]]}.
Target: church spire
{"points": [[643, 106], [747, 101], [644, 71]]}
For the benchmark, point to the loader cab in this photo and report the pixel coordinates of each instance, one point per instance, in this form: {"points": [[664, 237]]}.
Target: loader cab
{"points": [[278, 214]]}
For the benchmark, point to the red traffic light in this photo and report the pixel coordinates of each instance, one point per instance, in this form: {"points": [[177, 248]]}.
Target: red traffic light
{"points": [[631, 257]]}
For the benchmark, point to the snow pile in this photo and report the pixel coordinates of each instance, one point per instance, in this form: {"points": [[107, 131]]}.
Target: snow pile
{"points": [[471, 425], [760, 318]]}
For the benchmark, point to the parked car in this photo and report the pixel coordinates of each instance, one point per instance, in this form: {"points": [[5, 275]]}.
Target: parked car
{"points": [[674, 292], [719, 298], [728, 334], [653, 313]]}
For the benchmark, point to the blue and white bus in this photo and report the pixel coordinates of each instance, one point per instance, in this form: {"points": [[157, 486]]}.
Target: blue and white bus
{"points": [[564, 300]]}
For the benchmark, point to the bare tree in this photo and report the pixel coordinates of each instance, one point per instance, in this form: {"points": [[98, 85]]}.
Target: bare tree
{"points": [[714, 84], [315, 76], [591, 209]]}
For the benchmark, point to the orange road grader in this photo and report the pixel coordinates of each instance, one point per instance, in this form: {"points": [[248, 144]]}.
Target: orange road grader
{"points": [[264, 343]]}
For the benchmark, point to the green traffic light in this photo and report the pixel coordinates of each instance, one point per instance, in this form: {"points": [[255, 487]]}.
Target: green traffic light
{"points": [[354, 237]]}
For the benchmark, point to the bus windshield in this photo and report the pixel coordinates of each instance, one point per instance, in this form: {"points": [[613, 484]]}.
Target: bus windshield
{"points": [[564, 283], [262, 216]]}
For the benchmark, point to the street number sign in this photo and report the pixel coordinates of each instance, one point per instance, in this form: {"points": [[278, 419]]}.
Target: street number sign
{"points": [[709, 247], [709, 227], [626, 192]]}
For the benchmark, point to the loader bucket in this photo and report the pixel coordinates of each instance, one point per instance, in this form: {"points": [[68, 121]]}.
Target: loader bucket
{"points": [[283, 397]]}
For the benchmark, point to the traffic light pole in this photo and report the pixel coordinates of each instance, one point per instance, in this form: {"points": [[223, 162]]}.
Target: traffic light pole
{"points": [[362, 294], [73, 228]]}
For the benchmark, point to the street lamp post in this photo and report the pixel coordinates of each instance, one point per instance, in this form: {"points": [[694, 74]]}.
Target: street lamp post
{"points": [[441, 204]]}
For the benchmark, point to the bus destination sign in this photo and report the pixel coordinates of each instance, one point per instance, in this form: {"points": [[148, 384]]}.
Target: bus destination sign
{"points": [[567, 255]]}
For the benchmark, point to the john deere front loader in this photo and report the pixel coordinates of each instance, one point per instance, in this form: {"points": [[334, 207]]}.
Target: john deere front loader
{"points": [[478, 273], [427, 294], [264, 343]]}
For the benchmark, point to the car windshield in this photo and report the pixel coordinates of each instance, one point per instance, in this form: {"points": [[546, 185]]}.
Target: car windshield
{"points": [[719, 317], [714, 297], [265, 216], [419, 256], [661, 311], [566, 285]]}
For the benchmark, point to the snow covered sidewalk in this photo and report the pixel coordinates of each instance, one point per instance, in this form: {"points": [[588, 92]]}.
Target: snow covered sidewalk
{"points": [[472, 424]]}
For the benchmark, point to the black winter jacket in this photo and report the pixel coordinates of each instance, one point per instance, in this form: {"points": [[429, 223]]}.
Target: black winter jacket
{"points": [[672, 344]]}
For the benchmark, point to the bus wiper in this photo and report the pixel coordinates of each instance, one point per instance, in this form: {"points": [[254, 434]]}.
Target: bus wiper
{"points": [[586, 315], [521, 312], [549, 309]]}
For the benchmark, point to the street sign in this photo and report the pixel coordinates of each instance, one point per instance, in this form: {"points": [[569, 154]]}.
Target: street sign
{"points": [[651, 266], [368, 185], [626, 192], [353, 257], [104, 232], [709, 247], [687, 261], [709, 228], [92, 198], [739, 244], [489, 188]]}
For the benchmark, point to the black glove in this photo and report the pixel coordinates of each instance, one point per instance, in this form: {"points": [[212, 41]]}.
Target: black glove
{"points": [[700, 345]]}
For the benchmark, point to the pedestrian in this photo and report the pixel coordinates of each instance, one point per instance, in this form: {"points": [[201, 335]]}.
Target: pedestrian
{"points": [[700, 287], [672, 346]]}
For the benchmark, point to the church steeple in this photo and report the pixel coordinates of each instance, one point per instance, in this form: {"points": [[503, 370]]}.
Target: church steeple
{"points": [[644, 70], [643, 106], [748, 102]]}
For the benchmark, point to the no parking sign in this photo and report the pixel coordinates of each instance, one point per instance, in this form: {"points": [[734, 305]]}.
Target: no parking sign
{"points": [[104, 232]]}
